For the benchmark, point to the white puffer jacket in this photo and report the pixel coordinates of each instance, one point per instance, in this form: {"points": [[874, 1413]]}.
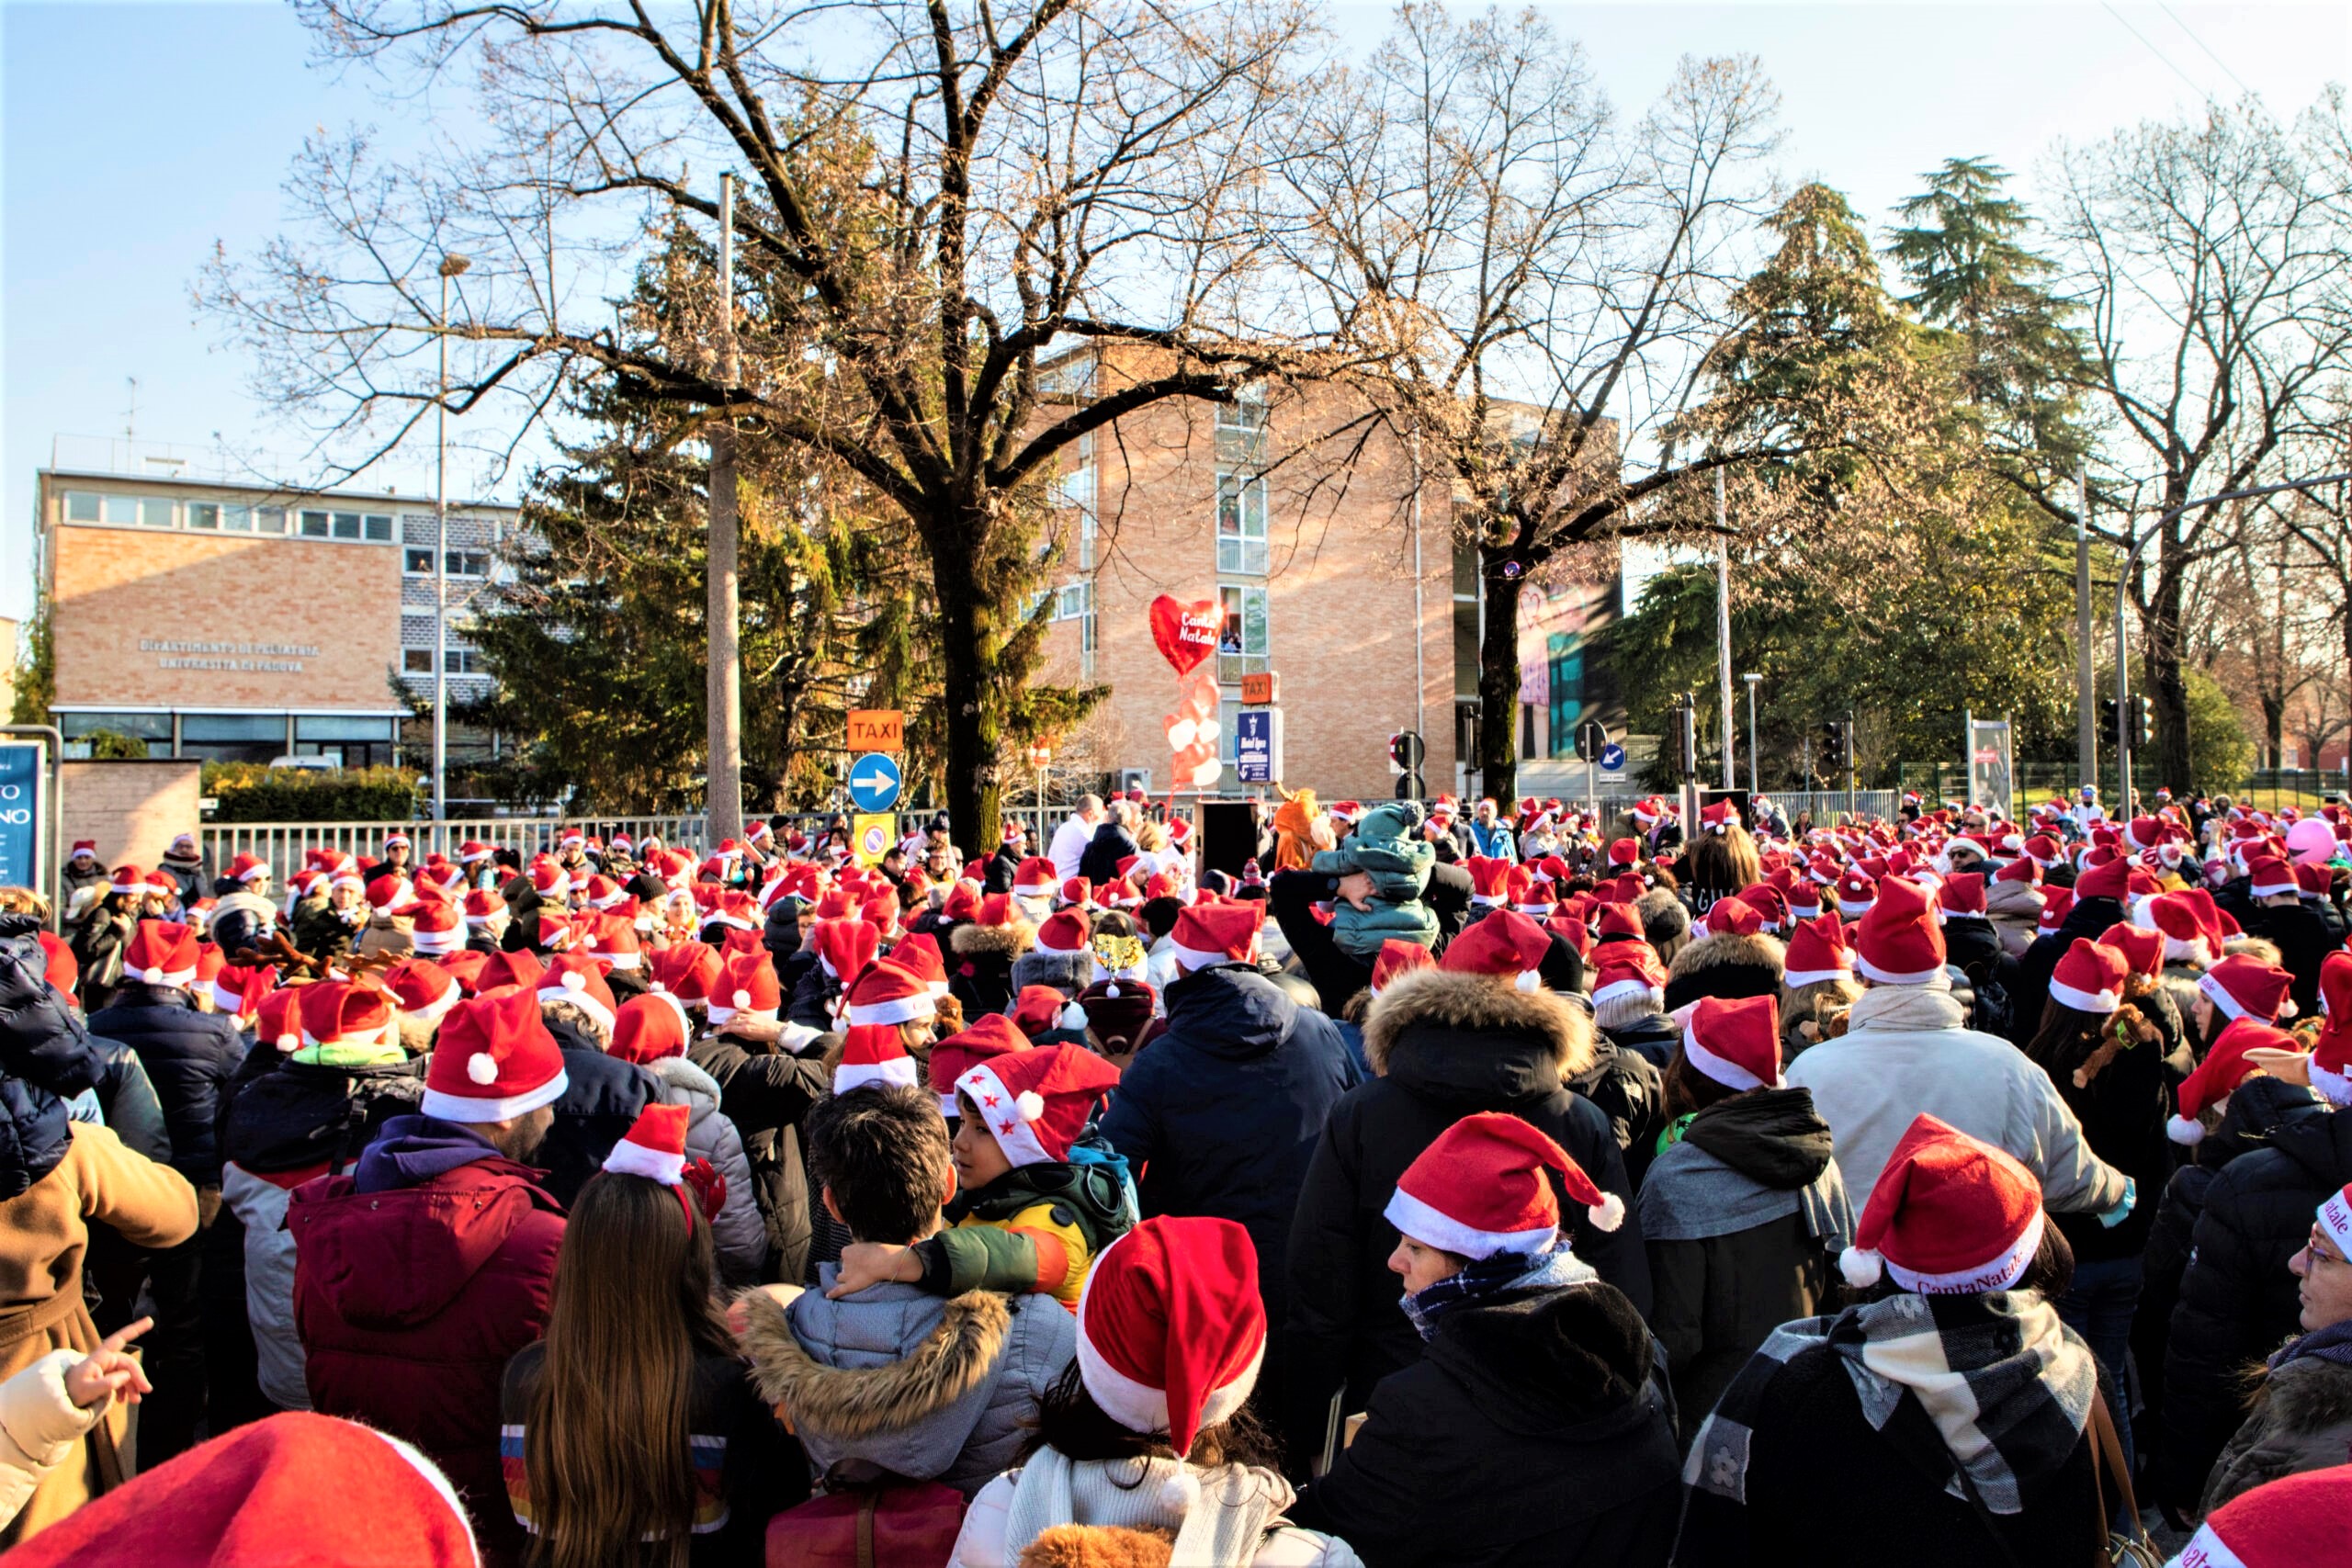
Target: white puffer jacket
{"points": [[739, 1233], [40, 1429], [1106, 1492]]}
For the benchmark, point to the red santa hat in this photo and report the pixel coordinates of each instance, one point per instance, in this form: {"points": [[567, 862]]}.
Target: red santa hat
{"points": [[1066, 930], [990, 1034], [688, 971], [438, 930], [494, 1060], [2329, 1066], [2187, 921], [1485, 1186], [648, 1027], [1960, 893], [2090, 977], [1035, 878], [1856, 894], [2226, 1065], [2056, 903], [845, 947], [161, 953], [1817, 952], [575, 977], [654, 1148], [1207, 935], [347, 1015], [2111, 879], [872, 1053], [1949, 1216], [237, 990], [2142, 948], [888, 994], [1398, 957], [246, 867], [1506, 945], [919, 955], [1625, 853], [425, 990], [1171, 1332], [1729, 916], [1899, 942], [2294, 1522], [2242, 986], [1490, 880], [1626, 969], [1735, 1042], [333, 1493], [482, 905], [747, 983], [1804, 900], [1036, 1102], [2268, 877]]}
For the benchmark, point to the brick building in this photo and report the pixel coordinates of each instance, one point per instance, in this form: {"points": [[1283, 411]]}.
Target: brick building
{"points": [[216, 619]]}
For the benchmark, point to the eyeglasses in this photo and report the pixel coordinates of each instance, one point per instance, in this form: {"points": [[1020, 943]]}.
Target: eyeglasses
{"points": [[2322, 1247]]}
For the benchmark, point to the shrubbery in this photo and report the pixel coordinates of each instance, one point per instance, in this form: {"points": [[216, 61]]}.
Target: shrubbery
{"points": [[249, 792]]}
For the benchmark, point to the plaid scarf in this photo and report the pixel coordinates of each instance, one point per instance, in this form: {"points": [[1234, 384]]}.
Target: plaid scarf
{"points": [[2004, 1385], [1485, 1277]]}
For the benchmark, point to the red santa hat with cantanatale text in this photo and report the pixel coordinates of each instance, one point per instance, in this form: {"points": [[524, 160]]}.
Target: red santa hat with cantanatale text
{"points": [[1036, 1102], [2242, 986], [2293, 1522], [1488, 1185], [1949, 1216]]}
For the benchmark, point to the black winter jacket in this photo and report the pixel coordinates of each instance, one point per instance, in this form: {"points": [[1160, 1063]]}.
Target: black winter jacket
{"points": [[602, 1099], [2029, 989], [1220, 1113], [1534, 1430], [980, 963], [1630, 1092], [191, 1057], [46, 1056], [2237, 1297], [2123, 1111], [2256, 1107], [2303, 941], [1109, 845], [765, 1094], [1447, 1045], [1654, 1039]]}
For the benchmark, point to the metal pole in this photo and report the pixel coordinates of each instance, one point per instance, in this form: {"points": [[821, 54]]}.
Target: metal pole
{"points": [[1722, 632], [2086, 698], [723, 691], [1752, 681], [2122, 586], [1849, 762], [441, 570], [1420, 677]]}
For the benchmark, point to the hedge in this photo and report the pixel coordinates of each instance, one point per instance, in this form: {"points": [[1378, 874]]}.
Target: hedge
{"points": [[248, 792]]}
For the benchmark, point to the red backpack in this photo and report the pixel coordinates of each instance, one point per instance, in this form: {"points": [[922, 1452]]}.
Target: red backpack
{"points": [[900, 1524]]}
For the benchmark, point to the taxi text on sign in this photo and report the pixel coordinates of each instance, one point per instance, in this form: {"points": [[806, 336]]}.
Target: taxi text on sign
{"points": [[874, 837], [877, 729]]}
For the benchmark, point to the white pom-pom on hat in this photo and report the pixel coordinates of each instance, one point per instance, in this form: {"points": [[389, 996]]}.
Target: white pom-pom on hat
{"points": [[1609, 1214], [2185, 1130], [1030, 1103], [1110, 989], [1073, 1017], [290, 1044], [573, 980], [743, 998], [1180, 1491], [1861, 1269], [482, 1067]]}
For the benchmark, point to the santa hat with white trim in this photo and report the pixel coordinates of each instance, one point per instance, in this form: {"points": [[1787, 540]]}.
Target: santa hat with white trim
{"points": [[2228, 1063], [654, 1148], [1207, 935], [873, 1053], [1036, 1102], [1817, 951], [494, 1060], [2182, 918], [1490, 880], [1398, 957], [1065, 932], [845, 946], [2242, 986], [1899, 942], [485, 905], [1735, 1042], [577, 979], [345, 1015], [990, 1034], [1857, 894], [1728, 916], [161, 953], [688, 972], [2090, 977], [1037, 878], [237, 991], [2268, 877], [1505, 946], [247, 866], [424, 989], [439, 929], [648, 1027], [888, 994], [2293, 1522], [128, 882], [1949, 1216], [1486, 1185], [1171, 1332], [746, 983], [1625, 969]]}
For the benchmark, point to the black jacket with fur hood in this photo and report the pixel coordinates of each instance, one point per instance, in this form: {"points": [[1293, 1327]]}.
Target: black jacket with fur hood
{"points": [[1446, 1045], [1728, 965], [979, 964]]}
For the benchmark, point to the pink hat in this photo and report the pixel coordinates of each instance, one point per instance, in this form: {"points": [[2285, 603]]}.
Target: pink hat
{"points": [[1036, 1102], [888, 994], [2243, 986], [1735, 1043], [1949, 1216], [1206, 934], [872, 1053], [1171, 1331], [494, 1060], [2091, 976], [1505, 945], [650, 1027], [1817, 951], [1485, 1186], [1899, 942]]}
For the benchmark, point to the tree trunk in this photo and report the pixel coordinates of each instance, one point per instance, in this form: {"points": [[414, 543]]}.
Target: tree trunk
{"points": [[723, 687], [967, 659], [2168, 688], [1498, 682], [2274, 728]]}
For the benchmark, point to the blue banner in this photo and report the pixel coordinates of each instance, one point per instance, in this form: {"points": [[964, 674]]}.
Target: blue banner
{"points": [[21, 813]]}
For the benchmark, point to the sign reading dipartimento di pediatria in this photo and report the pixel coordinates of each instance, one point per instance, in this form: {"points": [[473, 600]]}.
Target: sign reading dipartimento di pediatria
{"points": [[274, 658]]}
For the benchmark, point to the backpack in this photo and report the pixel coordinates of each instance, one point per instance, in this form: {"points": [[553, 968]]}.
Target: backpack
{"points": [[893, 1522]]}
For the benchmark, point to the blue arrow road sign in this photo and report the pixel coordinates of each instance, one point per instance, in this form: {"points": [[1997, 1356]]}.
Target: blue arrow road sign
{"points": [[874, 782], [1612, 758]]}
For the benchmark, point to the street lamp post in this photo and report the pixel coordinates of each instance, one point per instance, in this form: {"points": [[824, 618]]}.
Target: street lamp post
{"points": [[452, 265], [1752, 679], [2123, 591]]}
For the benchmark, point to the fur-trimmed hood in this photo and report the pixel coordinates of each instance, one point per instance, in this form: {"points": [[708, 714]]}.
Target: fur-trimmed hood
{"points": [[850, 1404], [1728, 966], [1009, 942], [1441, 1006]]}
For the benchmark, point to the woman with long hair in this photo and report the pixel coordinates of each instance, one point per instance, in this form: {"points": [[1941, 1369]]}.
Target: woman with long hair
{"points": [[631, 1434], [1720, 861], [2106, 1055]]}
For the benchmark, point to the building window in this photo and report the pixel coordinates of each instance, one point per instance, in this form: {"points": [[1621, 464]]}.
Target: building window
{"points": [[461, 661], [416, 661], [418, 563], [122, 511], [315, 525], [1565, 652], [1077, 491], [269, 519], [156, 728], [203, 514], [467, 563], [82, 506], [1242, 431], [347, 524], [377, 527], [237, 519], [1241, 523], [1244, 639], [156, 511]]}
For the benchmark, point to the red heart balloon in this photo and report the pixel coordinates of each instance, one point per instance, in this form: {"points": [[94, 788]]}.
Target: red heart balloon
{"points": [[1185, 633]]}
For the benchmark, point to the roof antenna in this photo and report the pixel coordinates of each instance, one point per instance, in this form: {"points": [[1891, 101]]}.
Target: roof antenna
{"points": [[130, 415]]}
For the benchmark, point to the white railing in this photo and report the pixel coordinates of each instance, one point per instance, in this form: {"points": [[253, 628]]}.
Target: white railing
{"points": [[282, 845]]}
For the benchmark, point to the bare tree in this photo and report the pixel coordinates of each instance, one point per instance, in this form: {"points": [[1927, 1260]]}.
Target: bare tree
{"points": [[1531, 285], [945, 198], [2208, 257]]}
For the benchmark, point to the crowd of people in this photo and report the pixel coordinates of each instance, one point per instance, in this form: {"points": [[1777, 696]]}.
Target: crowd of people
{"points": [[1439, 1187]]}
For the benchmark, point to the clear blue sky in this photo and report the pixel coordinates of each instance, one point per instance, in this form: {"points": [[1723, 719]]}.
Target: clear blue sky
{"points": [[134, 136]]}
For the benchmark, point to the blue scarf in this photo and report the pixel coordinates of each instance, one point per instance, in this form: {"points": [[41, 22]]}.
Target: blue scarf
{"points": [[2333, 1343], [1504, 1272]]}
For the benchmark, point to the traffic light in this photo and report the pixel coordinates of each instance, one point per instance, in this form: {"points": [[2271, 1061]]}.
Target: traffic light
{"points": [[2143, 721], [2106, 716]]}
